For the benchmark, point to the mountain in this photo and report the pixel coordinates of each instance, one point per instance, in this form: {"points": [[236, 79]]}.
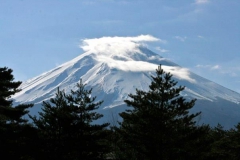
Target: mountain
{"points": [[115, 67]]}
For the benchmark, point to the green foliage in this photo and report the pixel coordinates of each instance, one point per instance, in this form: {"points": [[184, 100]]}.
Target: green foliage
{"points": [[225, 143], [14, 128], [8, 88], [66, 126], [158, 124]]}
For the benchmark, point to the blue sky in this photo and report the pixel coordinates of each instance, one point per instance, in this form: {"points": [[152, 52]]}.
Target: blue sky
{"points": [[202, 35]]}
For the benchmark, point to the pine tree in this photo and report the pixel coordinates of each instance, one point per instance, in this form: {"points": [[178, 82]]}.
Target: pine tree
{"points": [[14, 128], [66, 125], [158, 124], [8, 88], [234, 135], [225, 143], [51, 126], [92, 135]]}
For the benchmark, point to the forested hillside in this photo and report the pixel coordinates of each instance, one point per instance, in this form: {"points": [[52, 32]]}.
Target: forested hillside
{"points": [[156, 125]]}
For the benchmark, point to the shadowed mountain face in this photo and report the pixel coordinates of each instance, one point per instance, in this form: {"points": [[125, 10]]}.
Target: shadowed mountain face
{"points": [[113, 74]]}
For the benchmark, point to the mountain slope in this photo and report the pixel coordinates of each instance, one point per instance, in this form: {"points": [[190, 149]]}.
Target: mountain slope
{"points": [[116, 68]]}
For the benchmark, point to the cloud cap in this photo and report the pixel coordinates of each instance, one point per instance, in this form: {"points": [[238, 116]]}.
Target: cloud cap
{"points": [[117, 45]]}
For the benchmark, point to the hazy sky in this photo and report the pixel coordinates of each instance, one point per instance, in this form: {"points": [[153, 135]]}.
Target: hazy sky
{"points": [[202, 35]]}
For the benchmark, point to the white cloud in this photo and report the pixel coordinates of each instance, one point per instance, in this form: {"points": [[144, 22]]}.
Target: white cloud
{"points": [[215, 67], [202, 66], [210, 67], [224, 70], [161, 50], [231, 71], [178, 72], [117, 45], [138, 66], [180, 38], [201, 1], [200, 36], [114, 51]]}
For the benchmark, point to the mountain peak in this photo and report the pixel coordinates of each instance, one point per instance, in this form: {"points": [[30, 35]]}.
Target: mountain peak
{"points": [[116, 66]]}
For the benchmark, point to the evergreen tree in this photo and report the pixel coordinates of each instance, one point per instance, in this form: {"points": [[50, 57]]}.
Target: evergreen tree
{"points": [[8, 88], [67, 129], [225, 143], [235, 141], [158, 124], [14, 128]]}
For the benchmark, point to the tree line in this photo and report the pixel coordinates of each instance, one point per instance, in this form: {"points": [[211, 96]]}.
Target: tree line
{"points": [[156, 125]]}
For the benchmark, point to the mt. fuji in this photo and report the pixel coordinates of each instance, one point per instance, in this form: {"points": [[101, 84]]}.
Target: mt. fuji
{"points": [[116, 66]]}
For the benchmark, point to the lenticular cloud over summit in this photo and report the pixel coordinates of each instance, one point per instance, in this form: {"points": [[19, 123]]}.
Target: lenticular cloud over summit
{"points": [[117, 45], [108, 48]]}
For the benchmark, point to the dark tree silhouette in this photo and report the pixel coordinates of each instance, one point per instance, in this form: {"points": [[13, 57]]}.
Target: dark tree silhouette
{"points": [[66, 126], [158, 124], [15, 132]]}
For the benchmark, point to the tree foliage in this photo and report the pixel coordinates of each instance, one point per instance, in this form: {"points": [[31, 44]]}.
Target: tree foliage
{"points": [[14, 129], [66, 126], [225, 144], [9, 87], [158, 123]]}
